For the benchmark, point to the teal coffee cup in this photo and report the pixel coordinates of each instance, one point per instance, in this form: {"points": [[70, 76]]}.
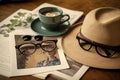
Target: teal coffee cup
{"points": [[52, 17]]}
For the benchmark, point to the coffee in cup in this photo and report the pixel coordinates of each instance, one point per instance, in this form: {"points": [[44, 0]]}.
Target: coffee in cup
{"points": [[51, 14], [52, 17]]}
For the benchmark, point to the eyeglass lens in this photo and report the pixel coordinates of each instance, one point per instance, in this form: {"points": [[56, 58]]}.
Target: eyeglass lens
{"points": [[105, 52], [48, 45], [86, 46], [27, 48]]}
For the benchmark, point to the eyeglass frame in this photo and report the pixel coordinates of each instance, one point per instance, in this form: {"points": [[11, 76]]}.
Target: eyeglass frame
{"points": [[38, 45], [116, 49]]}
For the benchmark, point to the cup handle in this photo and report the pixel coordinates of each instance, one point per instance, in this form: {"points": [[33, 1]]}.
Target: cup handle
{"points": [[66, 19]]}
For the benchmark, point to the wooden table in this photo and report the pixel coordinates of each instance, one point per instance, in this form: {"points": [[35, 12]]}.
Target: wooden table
{"points": [[7, 9]]}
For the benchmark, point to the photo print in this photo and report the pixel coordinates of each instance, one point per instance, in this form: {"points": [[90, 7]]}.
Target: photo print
{"points": [[74, 67], [33, 51]]}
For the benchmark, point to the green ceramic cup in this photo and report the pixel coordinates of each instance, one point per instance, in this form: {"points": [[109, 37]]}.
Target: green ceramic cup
{"points": [[52, 17]]}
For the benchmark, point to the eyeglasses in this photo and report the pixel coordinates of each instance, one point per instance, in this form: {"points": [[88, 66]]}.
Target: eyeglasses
{"points": [[29, 37], [101, 49], [30, 48]]}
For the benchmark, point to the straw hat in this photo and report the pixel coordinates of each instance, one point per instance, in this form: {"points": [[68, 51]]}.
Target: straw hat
{"points": [[101, 25]]}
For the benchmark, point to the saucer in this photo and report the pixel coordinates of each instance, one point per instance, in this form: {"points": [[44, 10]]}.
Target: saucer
{"points": [[37, 27]]}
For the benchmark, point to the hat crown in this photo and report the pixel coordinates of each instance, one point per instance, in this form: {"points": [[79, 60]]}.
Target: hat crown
{"points": [[102, 25]]}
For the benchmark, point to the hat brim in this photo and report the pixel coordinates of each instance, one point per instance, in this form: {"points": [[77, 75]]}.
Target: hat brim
{"points": [[73, 50]]}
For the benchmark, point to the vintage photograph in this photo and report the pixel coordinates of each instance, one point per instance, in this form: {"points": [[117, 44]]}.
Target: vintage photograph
{"points": [[74, 67], [33, 51]]}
